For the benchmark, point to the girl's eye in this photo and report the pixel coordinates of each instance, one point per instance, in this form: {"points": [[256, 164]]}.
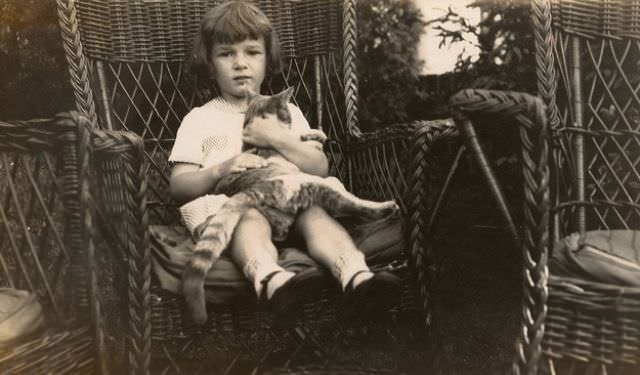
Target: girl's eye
{"points": [[255, 52]]}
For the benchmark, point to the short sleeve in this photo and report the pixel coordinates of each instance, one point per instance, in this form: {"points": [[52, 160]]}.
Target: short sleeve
{"points": [[187, 147]]}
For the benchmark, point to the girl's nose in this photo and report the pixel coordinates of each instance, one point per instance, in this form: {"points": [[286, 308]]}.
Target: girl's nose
{"points": [[240, 62]]}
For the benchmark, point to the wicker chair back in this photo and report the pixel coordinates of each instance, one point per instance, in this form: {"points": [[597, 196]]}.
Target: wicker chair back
{"points": [[135, 54], [594, 114]]}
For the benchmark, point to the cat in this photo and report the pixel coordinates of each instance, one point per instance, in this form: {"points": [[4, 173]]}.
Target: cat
{"points": [[279, 191]]}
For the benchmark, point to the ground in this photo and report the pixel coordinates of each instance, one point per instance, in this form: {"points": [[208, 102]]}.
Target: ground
{"points": [[476, 310]]}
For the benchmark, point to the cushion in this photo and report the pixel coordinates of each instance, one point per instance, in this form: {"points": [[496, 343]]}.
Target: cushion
{"points": [[20, 314], [607, 256], [172, 246]]}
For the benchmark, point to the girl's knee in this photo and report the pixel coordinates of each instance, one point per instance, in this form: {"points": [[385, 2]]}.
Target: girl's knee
{"points": [[253, 233], [313, 219], [312, 214], [253, 224], [253, 217]]}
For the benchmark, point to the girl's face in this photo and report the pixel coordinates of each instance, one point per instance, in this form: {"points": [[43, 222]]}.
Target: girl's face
{"points": [[239, 66]]}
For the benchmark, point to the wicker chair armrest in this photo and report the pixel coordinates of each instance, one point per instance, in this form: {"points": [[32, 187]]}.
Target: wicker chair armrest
{"points": [[397, 149], [35, 135], [409, 163], [120, 207], [120, 192], [66, 137], [401, 162], [432, 129], [23, 144], [530, 114]]}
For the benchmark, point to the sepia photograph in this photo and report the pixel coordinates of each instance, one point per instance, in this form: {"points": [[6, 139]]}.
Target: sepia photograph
{"points": [[320, 187]]}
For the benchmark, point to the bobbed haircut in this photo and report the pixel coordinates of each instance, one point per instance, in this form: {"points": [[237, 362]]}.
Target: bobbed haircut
{"points": [[228, 23]]}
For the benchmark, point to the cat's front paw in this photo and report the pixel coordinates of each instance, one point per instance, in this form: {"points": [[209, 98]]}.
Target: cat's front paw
{"points": [[314, 135]]}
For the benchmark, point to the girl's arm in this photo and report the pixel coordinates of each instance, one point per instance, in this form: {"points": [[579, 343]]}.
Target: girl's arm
{"points": [[188, 181], [308, 158], [265, 132]]}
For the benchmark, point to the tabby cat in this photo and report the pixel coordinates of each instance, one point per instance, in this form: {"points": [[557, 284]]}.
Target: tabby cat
{"points": [[279, 191]]}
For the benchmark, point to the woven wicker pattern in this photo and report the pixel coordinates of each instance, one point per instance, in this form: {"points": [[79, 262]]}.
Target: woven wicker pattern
{"points": [[606, 130], [596, 152], [138, 58], [46, 243], [163, 30], [586, 54], [593, 322], [67, 352], [612, 19], [134, 53]]}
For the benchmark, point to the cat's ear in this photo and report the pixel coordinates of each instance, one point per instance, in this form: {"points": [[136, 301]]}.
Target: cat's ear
{"points": [[286, 95]]}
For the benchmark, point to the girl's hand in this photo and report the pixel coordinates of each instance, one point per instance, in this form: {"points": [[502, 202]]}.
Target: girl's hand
{"points": [[263, 132], [244, 161]]}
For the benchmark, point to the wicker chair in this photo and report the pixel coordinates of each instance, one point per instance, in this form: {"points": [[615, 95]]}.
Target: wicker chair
{"points": [[127, 65], [47, 244], [580, 157]]}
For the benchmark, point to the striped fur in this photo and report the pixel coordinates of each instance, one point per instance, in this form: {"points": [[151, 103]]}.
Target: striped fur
{"points": [[279, 192]]}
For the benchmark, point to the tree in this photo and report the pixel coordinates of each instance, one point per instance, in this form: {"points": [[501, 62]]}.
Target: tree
{"points": [[505, 38], [506, 62], [388, 63], [33, 75]]}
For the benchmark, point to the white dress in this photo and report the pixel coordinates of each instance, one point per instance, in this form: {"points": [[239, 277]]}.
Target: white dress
{"points": [[209, 135]]}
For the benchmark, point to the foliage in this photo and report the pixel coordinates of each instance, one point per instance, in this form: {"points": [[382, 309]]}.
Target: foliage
{"points": [[505, 62], [388, 63], [33, 74], [506, 45]]}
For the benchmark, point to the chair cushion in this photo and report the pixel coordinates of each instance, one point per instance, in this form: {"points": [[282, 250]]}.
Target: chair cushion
{"points": [[172, 247], [607, 256], [20, 314]]}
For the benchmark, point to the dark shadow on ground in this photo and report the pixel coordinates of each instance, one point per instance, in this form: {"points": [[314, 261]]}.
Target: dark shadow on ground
{"points": [[476, 299]]}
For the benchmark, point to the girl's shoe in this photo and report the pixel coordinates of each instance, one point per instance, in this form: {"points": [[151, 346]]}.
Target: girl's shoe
{"points": [[375, 295], [287, 301]]}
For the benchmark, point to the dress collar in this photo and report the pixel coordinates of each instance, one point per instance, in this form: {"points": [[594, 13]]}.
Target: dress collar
{"points": [[223, 105]]}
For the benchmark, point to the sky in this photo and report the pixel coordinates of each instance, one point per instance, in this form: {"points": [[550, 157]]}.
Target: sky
{"points": [[439, 60]]}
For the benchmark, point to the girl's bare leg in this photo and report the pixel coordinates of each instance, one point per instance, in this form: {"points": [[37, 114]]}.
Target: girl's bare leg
{"points": [[331, 245], [253, 251]]}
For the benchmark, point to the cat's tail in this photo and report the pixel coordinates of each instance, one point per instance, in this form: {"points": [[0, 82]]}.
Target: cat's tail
{"points": [[214, 238], [193, 284]]}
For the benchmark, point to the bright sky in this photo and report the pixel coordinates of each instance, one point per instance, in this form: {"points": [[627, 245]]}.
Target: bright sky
{"points": [[439, 60]]}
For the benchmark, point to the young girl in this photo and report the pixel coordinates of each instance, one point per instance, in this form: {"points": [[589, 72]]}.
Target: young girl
{"points": [[236, 48]]}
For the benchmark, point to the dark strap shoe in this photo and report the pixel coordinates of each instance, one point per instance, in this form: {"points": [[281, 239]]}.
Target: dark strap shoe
{"points": [[376, 295], [287, 301]]}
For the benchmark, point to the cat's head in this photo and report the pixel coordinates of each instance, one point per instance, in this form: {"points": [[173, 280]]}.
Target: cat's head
{"points": [[262, 105]]}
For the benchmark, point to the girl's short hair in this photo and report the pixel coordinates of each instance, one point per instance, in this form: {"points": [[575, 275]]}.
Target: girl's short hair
{"points": [[232, 22]]}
